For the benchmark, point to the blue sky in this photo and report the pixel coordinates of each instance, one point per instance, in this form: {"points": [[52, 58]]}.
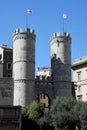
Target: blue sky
{"points": [[46, 18]]}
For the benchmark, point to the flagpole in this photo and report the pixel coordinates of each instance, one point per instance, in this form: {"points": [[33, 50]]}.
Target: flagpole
{"points": [[26, 20], [63, 25], [64, 17], [28, 12]]}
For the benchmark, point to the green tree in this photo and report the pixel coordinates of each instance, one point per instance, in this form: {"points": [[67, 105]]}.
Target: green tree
{"points": [[83, 116], [61, 113], [24, 111], [36, 111], [45, 122], [76, 112], [26, 122]]}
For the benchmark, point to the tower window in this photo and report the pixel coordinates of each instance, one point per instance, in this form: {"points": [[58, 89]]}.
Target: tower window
{"points": [[58, 42], [9, 66]]}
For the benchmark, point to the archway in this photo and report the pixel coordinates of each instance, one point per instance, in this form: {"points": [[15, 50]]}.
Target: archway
{"points": [[44, 99]]}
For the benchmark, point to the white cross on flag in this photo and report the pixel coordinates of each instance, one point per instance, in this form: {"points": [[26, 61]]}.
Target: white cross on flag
{"points": [[65, 16], [29, 11]]}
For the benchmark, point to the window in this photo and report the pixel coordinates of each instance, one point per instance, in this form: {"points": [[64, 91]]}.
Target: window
{"points": [[58, 42], [79, 89], [79, 97], [79, 76], [9, 66]]}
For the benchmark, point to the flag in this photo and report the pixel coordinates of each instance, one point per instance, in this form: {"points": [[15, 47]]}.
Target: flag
{"points": [[65, 16], [29, 11]]}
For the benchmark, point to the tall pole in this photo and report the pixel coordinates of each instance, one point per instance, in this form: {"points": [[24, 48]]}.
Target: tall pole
{"points": [[28, 12], [63, 25], [64, 17], [26, 20]]}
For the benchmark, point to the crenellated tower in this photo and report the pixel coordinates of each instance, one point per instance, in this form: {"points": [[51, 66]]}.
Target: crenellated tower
{"points": [[61, 63], [24, 66]]}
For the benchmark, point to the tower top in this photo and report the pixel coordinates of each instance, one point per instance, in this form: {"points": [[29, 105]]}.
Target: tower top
{"points": [[20, 33], [61, 35], [22, 30]]}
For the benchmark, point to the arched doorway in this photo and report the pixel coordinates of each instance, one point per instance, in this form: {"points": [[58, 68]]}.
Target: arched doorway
{"points": [[44, 99]]}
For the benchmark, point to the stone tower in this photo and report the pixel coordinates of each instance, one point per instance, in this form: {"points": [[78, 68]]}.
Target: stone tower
{"points": [[61, 63], [23, 66]]}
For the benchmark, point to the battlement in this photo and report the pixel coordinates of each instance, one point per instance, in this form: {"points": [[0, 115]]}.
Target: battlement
{"points": [[22, 30], [43, 78], [21, 34], [61, 35]]}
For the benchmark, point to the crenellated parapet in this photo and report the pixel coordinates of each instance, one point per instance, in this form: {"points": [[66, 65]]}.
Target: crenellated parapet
{"points": [[21, 30], [40, 80], [43, 78], [60, 35], [21, 33]]}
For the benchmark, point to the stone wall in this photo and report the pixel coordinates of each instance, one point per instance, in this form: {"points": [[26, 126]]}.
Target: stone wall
{"points": [[6, 91]]}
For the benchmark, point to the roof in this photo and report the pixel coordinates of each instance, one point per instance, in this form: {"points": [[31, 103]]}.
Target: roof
{"points": [[5, 47], [79, 62]]}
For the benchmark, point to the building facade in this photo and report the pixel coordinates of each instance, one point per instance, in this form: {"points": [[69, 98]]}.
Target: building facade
{"points": [[6, 80], [6, 60], [80, 78]]}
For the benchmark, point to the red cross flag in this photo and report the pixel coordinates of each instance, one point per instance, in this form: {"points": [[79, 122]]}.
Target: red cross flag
{"points": [[29, 11], [65, 16]]}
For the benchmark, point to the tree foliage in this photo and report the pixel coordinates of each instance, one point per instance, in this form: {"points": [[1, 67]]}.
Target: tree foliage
{"points": [[64, 114], [24, 111], [83, 116], [30, 114], [76, 112], [61, 113], [36, 111], [45, 122]]}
